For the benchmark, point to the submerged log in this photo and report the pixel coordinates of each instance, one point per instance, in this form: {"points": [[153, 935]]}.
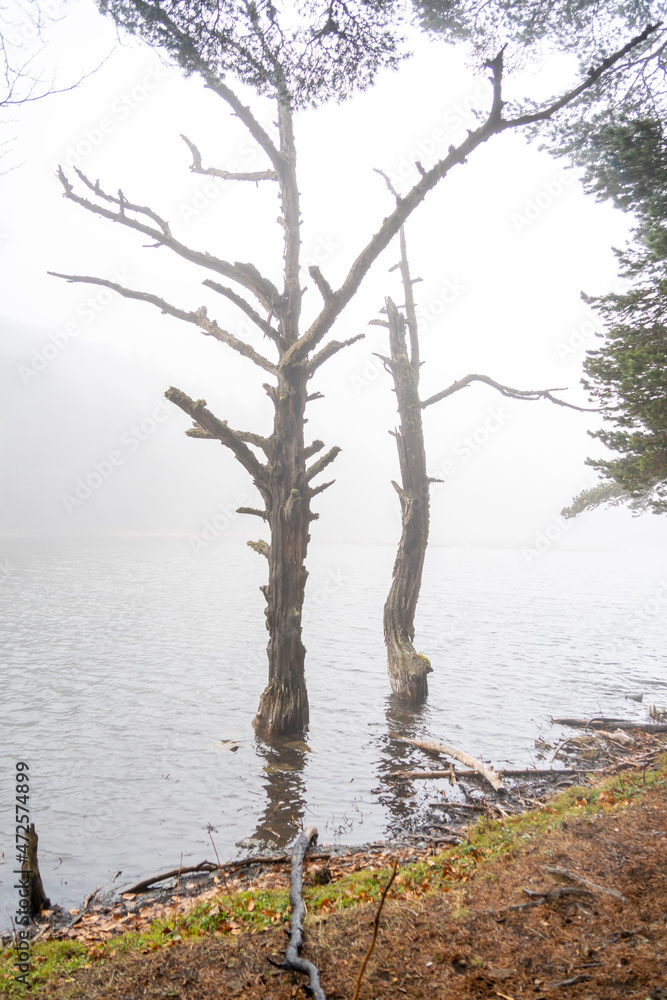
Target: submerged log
{"points": [[30, 876], [599, 722], [435, 746]]}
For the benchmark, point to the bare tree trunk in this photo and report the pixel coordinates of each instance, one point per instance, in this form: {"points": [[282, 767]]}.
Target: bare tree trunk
{"points": [[407, 669], [283, 706]]}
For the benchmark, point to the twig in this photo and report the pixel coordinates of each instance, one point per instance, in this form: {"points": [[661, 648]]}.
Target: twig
{"points": [[178, 892], [220, 869], [376, 924]]}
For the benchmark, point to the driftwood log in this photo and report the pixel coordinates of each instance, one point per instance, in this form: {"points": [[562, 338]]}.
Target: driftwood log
{"points": [[435, 746], [602, 723], [526, 772], [293, 961], [30, 876]]}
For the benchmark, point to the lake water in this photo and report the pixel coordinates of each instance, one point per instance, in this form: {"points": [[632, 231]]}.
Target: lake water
{"points": [[127, 663]]}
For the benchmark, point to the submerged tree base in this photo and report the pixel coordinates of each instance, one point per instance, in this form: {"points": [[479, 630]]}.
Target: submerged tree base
{"points": [[408, 672], [282, 709]]}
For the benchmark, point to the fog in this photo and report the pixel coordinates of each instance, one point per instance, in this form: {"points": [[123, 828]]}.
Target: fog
{"points": [[504, 247]]}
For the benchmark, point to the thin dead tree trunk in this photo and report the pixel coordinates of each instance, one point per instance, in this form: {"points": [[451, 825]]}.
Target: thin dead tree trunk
{"points": [[408, 669]]}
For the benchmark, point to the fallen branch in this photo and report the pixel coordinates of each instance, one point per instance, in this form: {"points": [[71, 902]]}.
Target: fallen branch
{"points": [[601, 723], [293, 960], [376, 924], [145, 884], [522, 773], [565, 873], [494, 779], [208, 866]]}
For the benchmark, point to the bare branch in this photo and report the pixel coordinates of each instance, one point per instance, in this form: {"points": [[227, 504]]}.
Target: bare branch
{"points": [[405, 205], [248, 119], [259, 442], [313, 449], [120, 200], [323, 285], [199, 318], [261, 547], [245, 274], [201, 434], [253, 510], [239, 301], [322, 463], [321, 488], [331, 348], [230, 438], [197, 168], [505, 390]]}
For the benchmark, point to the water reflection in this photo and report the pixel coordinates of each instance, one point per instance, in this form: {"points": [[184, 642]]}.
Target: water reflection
{"points": [[398, 796], [285, 761]]}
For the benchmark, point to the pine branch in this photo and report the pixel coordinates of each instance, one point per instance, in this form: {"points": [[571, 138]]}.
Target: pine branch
{"points": [[199, 318], [506, 390], [219, 428]]}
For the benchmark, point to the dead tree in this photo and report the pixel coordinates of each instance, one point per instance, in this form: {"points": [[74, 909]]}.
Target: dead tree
{"points": [[278, 464], [408, 670]]}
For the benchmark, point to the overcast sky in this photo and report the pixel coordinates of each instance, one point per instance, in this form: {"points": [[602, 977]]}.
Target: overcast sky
{"points": [[504, 246]]}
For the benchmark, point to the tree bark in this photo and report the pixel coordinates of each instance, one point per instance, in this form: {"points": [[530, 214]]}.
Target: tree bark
{"points": [[283, 706], [30, 868], [408, 669]]}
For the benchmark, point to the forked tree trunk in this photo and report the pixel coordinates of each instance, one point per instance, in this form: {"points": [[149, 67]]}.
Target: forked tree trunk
{"points": [[408, 670]]}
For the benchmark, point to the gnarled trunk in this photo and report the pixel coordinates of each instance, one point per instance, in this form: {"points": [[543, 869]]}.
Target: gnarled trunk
{"points": [[283, 706], [407, 669]]}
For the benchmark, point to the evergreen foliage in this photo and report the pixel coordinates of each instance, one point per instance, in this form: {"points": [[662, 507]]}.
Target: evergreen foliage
{"points": [[307, 53]]}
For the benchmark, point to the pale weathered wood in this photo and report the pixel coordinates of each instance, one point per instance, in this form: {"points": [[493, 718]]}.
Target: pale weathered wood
{"points": [[435, 746], [527, 772]]}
